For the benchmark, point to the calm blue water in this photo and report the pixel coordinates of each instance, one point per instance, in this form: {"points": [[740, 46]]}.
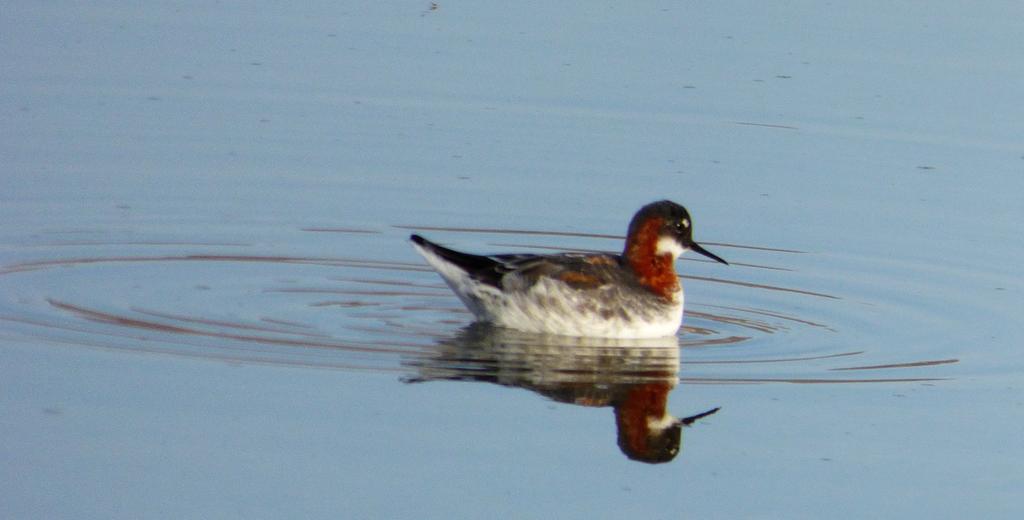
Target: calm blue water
{"points": [[209, 308]]}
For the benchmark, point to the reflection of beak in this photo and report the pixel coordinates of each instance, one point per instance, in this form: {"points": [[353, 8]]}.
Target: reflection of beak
{"points": [[686, 421], [697, 248]]}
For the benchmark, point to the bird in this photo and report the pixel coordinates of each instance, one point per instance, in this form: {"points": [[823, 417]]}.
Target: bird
{"points": [[636, 294]]}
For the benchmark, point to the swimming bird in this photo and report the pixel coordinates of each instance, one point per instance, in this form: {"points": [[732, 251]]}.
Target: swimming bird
{"points": [[633, 295]]}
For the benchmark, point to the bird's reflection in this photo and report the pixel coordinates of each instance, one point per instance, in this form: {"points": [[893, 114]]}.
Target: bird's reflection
{"points": [[634, 377]]}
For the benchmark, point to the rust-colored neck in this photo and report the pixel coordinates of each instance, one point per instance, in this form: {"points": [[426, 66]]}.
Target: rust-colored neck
{"points": [[655, 271], [633, 414]]}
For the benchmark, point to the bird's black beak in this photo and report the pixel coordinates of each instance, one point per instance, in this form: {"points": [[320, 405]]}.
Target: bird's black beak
{"points": [[686, 421], [697, 248]]}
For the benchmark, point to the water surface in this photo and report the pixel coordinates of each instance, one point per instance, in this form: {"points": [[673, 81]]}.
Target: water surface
{"points": [[209, 307]]}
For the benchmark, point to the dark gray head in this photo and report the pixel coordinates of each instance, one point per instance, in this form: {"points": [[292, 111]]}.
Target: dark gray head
{"points": [[666, 227]]}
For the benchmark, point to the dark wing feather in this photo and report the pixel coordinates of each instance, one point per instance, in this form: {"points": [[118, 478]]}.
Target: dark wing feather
{"points": [[578, 270], [487, 269]]}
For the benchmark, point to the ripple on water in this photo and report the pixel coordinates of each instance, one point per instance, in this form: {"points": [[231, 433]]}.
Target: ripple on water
{"points": [[775, 315], [760, 320]]}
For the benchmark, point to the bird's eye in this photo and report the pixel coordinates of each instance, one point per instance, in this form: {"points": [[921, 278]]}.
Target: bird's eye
{"points": [[685, 223]]}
